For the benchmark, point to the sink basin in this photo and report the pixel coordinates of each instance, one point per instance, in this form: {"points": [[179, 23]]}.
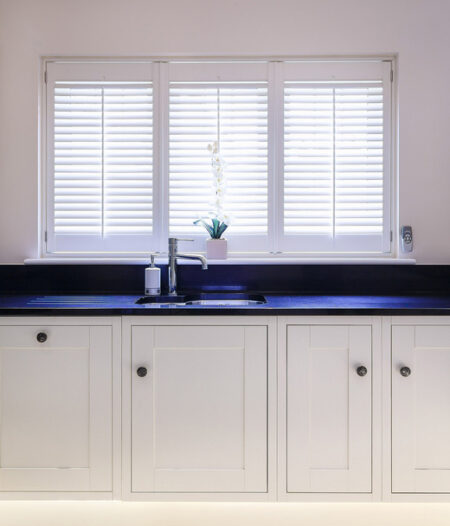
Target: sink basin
{"points": [[162, 300], [219, 299], [225, 299]]}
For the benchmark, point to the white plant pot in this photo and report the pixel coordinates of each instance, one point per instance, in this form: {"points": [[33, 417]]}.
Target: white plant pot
{"points": [[216, 248]]}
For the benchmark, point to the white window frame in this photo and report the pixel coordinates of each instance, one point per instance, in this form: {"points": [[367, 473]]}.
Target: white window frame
{"points": [[161, 71], [89, 72], [352, 71], [234, 73]]}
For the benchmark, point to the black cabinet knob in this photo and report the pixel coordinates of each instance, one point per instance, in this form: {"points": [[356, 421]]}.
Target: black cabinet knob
{"points": [[361, 370], [41, 337], [405, 371], [141, 371]]}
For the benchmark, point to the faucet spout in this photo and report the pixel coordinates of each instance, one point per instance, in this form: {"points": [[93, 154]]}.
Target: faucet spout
{"points": [[199, 257]]}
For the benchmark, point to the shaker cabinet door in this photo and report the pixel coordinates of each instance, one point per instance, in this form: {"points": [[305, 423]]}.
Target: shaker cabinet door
{"points": [[199, 408], [329, 408], [421, 409], [55, 408]]}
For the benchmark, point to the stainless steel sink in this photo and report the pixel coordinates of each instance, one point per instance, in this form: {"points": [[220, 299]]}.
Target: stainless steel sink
{"points": [[225, 299], [162, 300], [212, 299]]}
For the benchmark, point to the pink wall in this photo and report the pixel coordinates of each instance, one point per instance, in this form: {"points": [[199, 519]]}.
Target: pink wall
{"points": [[417, 30]]}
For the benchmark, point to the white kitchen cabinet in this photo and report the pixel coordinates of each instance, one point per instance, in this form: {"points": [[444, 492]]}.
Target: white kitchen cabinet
{"points": [[201, 421], [325, 407], [421, 407], [199, 407], [55, 406]]}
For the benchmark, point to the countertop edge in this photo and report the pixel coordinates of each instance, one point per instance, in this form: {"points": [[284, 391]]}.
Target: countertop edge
{"points": [[228, 312]]}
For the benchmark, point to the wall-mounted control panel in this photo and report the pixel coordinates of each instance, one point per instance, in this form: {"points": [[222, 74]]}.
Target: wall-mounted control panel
{"points": [[406, 239]]}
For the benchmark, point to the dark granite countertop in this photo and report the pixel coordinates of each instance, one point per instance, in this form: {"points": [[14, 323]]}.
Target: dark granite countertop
{"points": [[107, 305]]}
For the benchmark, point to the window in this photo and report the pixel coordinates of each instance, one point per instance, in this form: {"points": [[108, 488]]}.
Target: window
{"points": [[233, 112], [336, 161], [306, 147]]}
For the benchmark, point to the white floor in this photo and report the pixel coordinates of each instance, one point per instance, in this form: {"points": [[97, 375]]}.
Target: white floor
{"points": [[177, 514]]}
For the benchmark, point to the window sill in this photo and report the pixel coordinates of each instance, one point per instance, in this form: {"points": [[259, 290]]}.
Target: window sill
{"points": [[232, 261]]}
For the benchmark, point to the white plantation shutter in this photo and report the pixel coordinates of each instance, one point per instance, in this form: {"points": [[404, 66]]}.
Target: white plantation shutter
{"points": [[103, 159], [128, 159], [308, 160], [306, 146], [358, 158], [336, 163], [102, 165], [237, 118], [78, 152], [333, 150]]}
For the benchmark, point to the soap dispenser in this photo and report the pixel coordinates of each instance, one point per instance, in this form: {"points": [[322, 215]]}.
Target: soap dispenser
{"points": [[152, 279]]}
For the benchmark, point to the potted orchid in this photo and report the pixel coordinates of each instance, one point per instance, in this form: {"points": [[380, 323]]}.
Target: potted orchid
{"points": [[218, 221]]}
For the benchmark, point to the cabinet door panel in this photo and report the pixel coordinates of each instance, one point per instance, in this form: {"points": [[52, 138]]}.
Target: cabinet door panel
{"points": [[199, 418], [43, 423], [421, 409], [328, 409], [55, 410]]}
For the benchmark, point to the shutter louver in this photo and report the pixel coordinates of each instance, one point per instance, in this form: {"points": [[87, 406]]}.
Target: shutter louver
{"points": [[236, 117], [333, 158], [103, 161]]}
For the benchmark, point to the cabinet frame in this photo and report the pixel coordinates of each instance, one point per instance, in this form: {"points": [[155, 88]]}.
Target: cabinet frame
{"points": [[270, 322], [115, 324], [375, 323]]}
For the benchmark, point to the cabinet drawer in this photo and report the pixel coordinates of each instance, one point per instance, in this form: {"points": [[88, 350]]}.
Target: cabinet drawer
{"points": [[67, 336]]}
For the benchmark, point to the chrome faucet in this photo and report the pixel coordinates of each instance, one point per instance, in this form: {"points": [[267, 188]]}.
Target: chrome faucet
{"points": [[173, 256]]}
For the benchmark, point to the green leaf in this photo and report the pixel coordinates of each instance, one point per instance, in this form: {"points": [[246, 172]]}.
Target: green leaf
{"points": [[216, 226], [222, 229], [216, 229], [208, 228]]}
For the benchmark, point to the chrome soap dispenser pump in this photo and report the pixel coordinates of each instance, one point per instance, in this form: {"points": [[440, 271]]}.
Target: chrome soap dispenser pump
{"points": [[152, 279]]}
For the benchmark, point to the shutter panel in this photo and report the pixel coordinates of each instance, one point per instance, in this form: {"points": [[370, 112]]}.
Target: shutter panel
{"points": [[102, 166], [128, 160], [308, 160], [78, 160], [236, 117], [333, 164], [359, 160]]}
